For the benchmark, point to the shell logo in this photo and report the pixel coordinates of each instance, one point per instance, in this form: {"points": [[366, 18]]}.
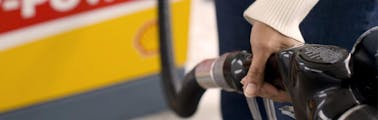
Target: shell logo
{"points": [[22, 13], [146, 40]]}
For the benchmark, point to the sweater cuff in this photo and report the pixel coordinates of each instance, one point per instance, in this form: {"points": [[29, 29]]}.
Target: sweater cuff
{"points": [[282, 15]]}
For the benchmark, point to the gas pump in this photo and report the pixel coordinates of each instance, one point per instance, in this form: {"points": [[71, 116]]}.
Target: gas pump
{"points": [[323, 81]]}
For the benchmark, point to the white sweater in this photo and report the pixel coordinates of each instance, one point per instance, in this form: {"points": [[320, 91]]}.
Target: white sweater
{"points": [[282, 15]]}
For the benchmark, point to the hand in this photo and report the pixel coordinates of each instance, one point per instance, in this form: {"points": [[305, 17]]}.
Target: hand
{"points": [[264, 42]]}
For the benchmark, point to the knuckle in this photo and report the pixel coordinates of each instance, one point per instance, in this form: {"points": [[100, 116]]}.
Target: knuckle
{"points": [[255, 75], [253, 94], [255, 71]]}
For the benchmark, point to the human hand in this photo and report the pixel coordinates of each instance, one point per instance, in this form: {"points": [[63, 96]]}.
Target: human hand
{"points": [[264, 42]]}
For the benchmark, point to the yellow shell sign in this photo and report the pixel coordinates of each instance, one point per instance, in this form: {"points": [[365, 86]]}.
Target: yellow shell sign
{"points": [[53, 53], [146, 39]]}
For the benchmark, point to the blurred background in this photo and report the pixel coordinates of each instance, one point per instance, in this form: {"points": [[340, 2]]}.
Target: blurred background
{"points": [[97, 59]]}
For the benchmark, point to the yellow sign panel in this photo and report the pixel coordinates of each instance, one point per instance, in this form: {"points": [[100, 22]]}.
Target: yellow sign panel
{"points": [[86, 58]]}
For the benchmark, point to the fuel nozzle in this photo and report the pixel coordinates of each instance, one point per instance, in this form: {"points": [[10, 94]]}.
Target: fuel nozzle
{"points": [[314, 76], [318, 79], [227, 71]]}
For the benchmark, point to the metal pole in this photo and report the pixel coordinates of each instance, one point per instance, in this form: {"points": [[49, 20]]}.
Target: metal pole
{"points": [[254, 108]]}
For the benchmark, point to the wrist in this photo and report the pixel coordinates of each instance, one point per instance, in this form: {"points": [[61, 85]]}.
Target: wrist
{"points": [[283, 41], [282, 15]]}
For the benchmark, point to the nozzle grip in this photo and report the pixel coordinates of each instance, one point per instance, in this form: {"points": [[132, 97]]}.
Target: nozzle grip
{"points": [[238, 65]]}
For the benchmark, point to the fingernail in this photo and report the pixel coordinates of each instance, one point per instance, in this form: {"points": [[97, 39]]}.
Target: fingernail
{"points": [[250, 90], [242, 81]]}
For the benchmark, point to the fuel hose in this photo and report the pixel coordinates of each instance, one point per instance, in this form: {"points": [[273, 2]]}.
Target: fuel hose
{"points": [[183, 95]]}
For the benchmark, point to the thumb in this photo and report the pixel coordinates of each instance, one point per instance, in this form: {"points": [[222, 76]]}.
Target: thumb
{"points": [[254, 79]]}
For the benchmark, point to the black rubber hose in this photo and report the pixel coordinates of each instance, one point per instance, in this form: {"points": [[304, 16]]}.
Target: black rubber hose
{"points": [[186, 100], [182, 96]]}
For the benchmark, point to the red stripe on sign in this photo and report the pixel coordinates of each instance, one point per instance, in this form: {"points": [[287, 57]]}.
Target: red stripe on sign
{"points": [[16, 14]]}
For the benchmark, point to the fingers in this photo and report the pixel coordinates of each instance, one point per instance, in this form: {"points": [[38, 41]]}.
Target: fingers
{"points": [[269, 91], [254, 79], [264, 42], [254, 84]]}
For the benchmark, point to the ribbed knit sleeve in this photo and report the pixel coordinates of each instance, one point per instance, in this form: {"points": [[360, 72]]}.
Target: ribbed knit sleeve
{"points": [[282, 15]]}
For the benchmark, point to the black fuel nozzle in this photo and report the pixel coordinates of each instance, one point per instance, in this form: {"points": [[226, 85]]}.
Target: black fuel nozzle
{"points": [[227, 71], [364, 65], [317, 78], [314, 76], [237, 66]]}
